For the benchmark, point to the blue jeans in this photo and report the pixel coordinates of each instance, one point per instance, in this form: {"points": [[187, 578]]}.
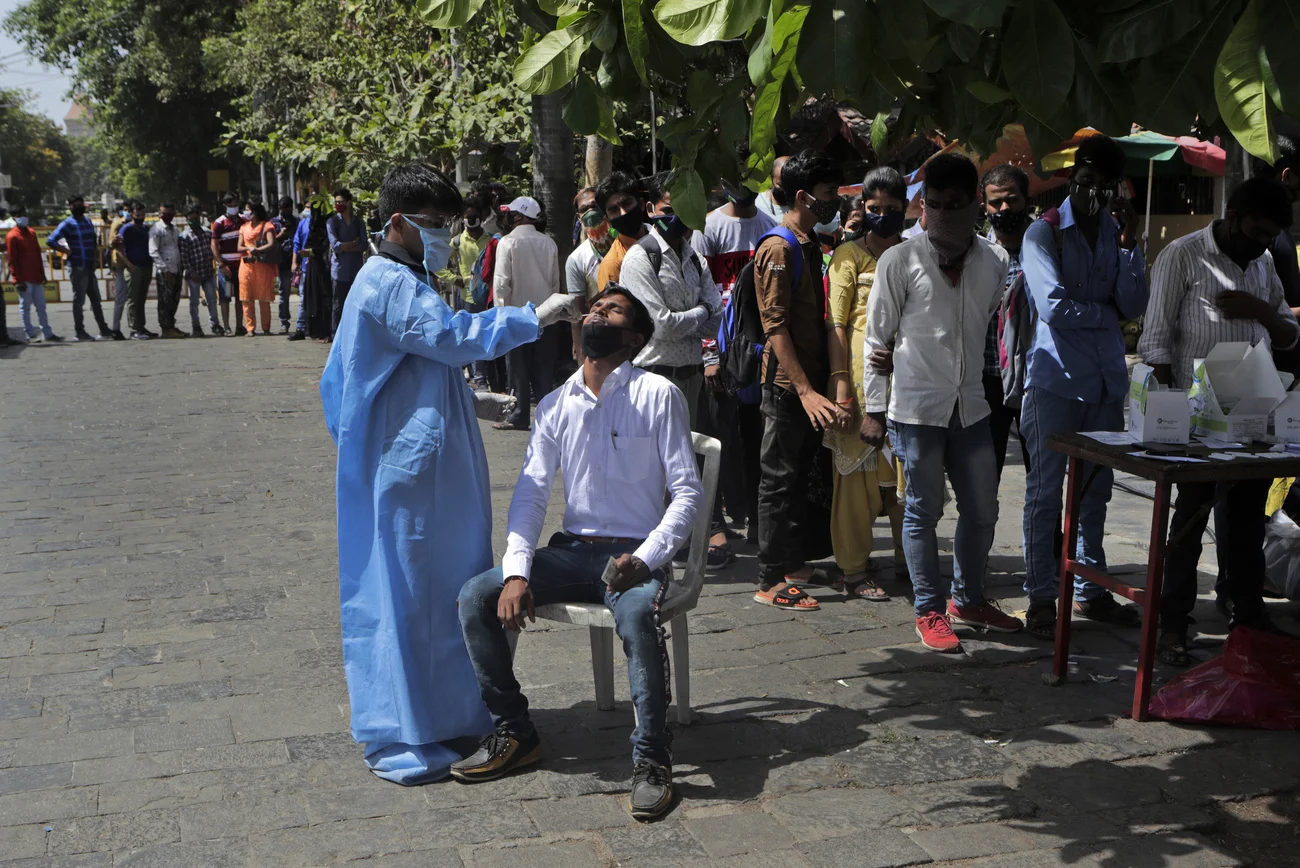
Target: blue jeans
{"points": [[286, 277], [967, 456], [33, 295], [208, 287], [1042, 415], [302, 297], [86, 285], [568, 571]]}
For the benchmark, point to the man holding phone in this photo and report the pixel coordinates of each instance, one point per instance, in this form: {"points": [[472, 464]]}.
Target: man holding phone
{"points": [[620, 437]]}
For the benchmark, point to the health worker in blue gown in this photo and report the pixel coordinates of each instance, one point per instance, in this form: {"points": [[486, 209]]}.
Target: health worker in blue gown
{"points": [[414, 519]]}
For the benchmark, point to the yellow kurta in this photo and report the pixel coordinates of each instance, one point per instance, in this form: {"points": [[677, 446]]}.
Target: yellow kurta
{"points": [[861, 472]]}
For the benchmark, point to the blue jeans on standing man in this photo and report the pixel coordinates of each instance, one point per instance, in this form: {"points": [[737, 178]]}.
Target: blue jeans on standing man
{"points": [[286, 278], [33, 295], [1042, 415], [967, 456], [86, 285], [568, 571]]}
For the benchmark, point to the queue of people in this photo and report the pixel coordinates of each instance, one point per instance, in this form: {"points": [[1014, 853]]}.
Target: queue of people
{"points": [[246, 256]]}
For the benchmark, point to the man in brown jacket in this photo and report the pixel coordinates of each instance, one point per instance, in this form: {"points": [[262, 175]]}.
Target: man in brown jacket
{"points": [[795, 369]]}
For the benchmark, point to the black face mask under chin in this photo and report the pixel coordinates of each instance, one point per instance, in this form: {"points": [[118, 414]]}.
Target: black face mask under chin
{"points": [[601, 339]]}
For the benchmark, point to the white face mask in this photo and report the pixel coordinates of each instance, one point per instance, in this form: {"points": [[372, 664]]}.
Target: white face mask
{"points": [[232, 211], [21, 221]]}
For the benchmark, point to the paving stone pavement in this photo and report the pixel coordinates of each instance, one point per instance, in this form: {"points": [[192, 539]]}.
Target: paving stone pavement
{"points": [[172, 693]]}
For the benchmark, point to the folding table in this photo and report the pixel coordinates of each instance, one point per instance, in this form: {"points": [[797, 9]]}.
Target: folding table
{"points": [[1084, 451]]}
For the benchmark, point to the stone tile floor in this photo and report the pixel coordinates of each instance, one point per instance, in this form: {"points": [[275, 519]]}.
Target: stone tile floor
{"points": [[172, 693]]}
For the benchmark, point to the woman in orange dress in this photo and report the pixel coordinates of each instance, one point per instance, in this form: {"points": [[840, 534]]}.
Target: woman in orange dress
{"points": [[257, 275]]}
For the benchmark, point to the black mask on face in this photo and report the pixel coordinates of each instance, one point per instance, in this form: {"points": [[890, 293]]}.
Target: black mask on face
{"points": [[778, 196], [884, 225], [78, 210], [600, 339], [744, 199], [851, 236], [627, 224], [1009, 222], [824, 209], [1242, 247]]}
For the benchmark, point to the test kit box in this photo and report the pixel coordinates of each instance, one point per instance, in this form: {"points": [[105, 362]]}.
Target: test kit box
{"points": [[1286, 418], [1234, 389], [1156, 414]]}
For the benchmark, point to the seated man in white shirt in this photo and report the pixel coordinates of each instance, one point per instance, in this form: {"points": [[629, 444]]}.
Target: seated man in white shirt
{"points": [[620, 438]]}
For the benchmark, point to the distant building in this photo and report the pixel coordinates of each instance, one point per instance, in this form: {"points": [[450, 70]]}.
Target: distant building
{"points": [[77, 121]]}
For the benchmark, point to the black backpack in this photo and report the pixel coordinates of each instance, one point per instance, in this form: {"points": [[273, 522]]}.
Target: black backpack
{"points": [[741, 338]]}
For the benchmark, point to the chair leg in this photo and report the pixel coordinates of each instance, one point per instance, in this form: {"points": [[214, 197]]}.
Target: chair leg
{"points": [[682, 667], [602, 665]]}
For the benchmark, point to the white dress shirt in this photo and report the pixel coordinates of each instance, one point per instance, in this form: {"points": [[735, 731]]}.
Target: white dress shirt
{"points": [[619, 454], [1183, 322], [527, 268], [937, 330], [674, 297], [163, 247]]}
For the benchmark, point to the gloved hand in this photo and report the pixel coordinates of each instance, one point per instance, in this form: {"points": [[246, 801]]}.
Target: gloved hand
{"points": [[491, 407], [558, 307]]}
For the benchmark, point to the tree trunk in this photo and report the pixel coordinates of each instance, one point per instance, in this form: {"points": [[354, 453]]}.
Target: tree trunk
{"points": [[600, 160], [553, 164]]}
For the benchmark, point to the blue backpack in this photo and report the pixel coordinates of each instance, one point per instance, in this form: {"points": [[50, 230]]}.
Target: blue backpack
{"points": [[741, 339], [478, 287]]}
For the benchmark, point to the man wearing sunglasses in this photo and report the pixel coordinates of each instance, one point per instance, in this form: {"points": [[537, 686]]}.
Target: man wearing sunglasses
{"points": [[1086, 275]]}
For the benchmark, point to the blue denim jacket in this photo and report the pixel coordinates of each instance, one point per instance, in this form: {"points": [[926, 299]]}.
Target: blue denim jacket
{"points": [[1080, 296]]}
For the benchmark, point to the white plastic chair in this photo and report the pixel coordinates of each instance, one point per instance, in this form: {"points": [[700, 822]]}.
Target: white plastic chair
{"points": [[680, 598]]}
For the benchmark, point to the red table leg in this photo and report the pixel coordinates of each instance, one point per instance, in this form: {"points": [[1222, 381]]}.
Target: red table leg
{"points": [[1065, 593], [1151, 601]]}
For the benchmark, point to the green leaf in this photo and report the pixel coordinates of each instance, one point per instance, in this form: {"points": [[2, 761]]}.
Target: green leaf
{"points": [[634, 34], [1282, 47], [880, 132], [698, 22], [908, 27], [447, 13], [689, 201], [976, 13], [617, 76], [987, 91], [965, 41], [557, 7], [762, 129], [1102, 94], [733, 122], [1240, 88], [1038, 57], [1176, 86], [606, 32], [830, 47], [1145, 28], [581, 107], [760, 56], [551, 63], [608, 128]]}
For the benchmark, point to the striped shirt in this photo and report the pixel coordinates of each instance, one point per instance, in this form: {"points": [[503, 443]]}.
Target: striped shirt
{"points": [[226, 230], [1183, 321], [81, 238]]}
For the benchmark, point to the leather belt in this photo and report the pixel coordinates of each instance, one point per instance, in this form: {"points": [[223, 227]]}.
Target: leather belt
{"points": [[610, 540]]}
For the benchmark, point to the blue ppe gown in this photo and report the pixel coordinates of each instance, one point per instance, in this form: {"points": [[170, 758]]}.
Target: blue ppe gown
{"points": [[414, 516]]}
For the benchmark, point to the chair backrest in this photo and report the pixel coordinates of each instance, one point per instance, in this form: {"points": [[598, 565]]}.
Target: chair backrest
{"points": [[687, 594]]}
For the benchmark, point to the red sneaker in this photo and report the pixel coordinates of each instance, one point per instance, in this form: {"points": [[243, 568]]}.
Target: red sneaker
{"points": [[985, 615], [936, 633]]}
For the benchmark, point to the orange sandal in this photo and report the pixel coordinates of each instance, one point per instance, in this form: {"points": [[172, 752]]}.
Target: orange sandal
{"points": [[787, 596]]}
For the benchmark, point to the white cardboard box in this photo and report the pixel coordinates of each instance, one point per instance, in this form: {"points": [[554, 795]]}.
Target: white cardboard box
{"points": [[1157, 415], [1234, 388], [1286, 418]]}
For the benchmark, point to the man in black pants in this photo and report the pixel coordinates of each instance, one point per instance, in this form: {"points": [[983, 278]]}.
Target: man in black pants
{"points": [[795, 368]]}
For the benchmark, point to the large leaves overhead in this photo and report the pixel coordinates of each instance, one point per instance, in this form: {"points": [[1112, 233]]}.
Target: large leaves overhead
{"points": [[697, 22], [1241, 89], [1038, 57], [551, 63], [447, 13], [830, 47], [976, 13], [1175, 87], [1282, 46], [1146, 27]]}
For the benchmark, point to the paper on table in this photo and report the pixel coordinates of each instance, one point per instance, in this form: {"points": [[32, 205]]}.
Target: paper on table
{"points": [[1215, 443], [1178, 459], [1111, 438], [1227, 456]]}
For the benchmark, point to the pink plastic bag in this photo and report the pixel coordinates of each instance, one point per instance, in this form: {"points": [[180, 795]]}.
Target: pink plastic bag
{"points": [[1254, 683]]}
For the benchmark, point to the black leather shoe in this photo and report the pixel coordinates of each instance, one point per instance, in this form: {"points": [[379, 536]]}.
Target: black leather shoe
{"points": [[652, 790], [299, 335], [498, 755]]}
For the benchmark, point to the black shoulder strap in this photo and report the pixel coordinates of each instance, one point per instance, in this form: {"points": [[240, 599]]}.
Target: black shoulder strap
{"points": [[652, 251]]}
